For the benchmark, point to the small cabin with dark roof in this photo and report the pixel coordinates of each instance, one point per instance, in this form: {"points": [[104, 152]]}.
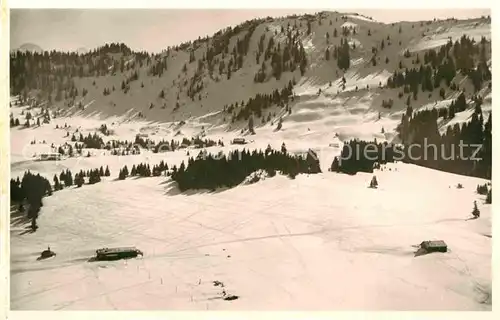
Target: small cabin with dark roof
{"points": [[434, 246], [50, 156], [239, 141], [117, 253]]}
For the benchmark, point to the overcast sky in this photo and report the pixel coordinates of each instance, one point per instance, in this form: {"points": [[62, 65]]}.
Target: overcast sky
{"points": [[155, 29]]}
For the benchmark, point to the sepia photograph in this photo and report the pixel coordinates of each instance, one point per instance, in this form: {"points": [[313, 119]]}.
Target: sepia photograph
{"points": [[250, 159]]}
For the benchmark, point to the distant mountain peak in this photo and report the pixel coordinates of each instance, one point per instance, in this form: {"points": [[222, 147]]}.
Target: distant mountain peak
{"points": [[29, 47]]}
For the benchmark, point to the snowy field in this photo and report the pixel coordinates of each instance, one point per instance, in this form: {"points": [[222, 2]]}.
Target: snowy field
{"points": [[319, 242]]}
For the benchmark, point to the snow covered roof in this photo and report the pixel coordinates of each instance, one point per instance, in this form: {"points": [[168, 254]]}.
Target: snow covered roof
{"points": [[116, 250], [434, 244]]}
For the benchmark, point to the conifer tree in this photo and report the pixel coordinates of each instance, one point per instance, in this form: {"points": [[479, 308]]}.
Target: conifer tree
{"points": [[482, 189], [335, 167], [68, 178], [475, 211], [280, 124], [250, 125], [283, 148], [57, 186], [97, 175], [78, 180]]}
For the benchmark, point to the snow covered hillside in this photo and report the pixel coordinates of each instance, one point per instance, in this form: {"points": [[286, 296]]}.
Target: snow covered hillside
{"points": [[202, 76], [310, 241]]}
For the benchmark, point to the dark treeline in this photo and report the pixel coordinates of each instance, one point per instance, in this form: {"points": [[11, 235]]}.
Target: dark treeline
{"points": [[53, 71], [210, 172], [143, 170], [165, 145], [464, 56], [341, 54], [14, 122], [260, 102], [93, 141], [128, 150], [484, 190], [128, 147], [119, 147], [94, 176], [31, 189], [195, 142], [35, 186], [464, 149], [364, 156], [421, 128], [66, 179]]}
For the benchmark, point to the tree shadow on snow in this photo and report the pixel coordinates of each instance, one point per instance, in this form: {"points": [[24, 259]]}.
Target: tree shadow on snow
{"points": [[139, 177], [173, 190], [166, 181], [18, 218], [130, 178], [94, 259], [25, 128], [27, 230]]}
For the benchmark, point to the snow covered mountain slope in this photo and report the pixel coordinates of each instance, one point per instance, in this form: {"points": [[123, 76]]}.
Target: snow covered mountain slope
{"points": [[315, 33], [316, 242]]}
